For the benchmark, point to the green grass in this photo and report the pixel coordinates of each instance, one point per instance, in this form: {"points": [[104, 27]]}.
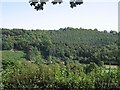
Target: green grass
{"points": [[13, 55]]}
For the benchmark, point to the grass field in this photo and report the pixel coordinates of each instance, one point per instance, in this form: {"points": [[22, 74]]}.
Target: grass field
{"points": [[111, 66], [13, 55]]}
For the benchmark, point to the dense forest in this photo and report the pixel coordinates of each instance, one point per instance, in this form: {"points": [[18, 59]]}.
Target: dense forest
{"points": [[68, 58]]}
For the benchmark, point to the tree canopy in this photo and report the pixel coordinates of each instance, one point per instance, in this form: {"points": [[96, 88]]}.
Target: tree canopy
{"points": [[67, 44]]}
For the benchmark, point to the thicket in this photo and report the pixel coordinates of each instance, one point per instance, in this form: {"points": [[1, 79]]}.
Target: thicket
{"points": [[26, 75]]}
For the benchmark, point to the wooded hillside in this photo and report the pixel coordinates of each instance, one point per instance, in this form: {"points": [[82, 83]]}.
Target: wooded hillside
{"points": [[67, 44]]}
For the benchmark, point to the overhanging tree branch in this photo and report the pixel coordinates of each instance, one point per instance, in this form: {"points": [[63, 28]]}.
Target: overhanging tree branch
{"points": [[39, 4]]}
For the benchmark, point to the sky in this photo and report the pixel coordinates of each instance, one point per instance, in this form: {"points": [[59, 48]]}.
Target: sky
{"points": [[100, 14]]}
